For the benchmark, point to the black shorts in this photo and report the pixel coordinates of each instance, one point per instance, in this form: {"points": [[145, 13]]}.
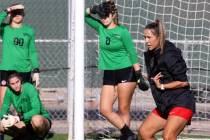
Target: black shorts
{"points": [[26, 76], [29, 129], [114, 77]]}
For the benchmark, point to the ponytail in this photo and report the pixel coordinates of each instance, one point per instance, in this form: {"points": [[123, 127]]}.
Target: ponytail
{"points": [[162, 34], [158, 30]]}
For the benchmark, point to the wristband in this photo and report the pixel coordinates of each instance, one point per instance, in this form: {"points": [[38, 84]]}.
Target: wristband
{"points": [[36, 70], [162, 87], [88, 10]]}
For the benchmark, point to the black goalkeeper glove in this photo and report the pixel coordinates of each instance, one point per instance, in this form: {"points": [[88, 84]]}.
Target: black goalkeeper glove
{"points": [[102, 10], [140, 81], [94, 9]]}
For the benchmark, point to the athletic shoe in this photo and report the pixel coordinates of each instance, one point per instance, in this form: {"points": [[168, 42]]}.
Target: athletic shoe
{"points": [[131, 137], [122, 137]]}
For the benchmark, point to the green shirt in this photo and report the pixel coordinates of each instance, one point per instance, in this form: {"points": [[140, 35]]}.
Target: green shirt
{"points": [[116, 48], [19, 51], [27, 102]]}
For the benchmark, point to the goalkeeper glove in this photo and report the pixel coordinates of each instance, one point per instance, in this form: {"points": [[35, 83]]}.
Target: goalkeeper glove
{"points": [[9, 120], [35, 77], [102, 10], [140, 81], [15, 7]]}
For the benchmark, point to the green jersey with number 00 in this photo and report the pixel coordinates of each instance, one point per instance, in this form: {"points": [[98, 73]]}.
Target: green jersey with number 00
{"points": [[18, 47], [116, 48]]}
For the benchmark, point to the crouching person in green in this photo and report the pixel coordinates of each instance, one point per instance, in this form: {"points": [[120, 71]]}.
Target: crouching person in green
{"points": [[31, 117]]}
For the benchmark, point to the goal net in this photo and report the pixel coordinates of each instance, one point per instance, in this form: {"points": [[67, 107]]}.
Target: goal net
{"points": [[187, 24]]}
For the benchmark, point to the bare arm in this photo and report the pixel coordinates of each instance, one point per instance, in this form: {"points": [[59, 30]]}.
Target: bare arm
{"points": [[174, 85], [136, 66], [171, 85]]}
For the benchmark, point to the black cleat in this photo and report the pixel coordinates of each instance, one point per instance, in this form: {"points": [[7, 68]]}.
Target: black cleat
{"points": [[132, 137], [122, 137]]}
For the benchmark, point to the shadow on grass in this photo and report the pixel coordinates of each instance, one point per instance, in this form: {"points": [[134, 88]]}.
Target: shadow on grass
{"points": [[51, 137]]}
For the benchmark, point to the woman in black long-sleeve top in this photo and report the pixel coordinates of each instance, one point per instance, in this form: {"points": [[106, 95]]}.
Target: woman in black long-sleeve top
{"points": [[166, 71]]}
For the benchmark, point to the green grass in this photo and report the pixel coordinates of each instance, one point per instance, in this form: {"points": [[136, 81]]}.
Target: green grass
{"points": [[55, 137], [94, 136], [183, 136], [159, 136]]}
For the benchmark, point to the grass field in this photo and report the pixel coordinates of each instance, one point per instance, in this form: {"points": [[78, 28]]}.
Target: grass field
{"points": [[54, 137], [93, 137]]}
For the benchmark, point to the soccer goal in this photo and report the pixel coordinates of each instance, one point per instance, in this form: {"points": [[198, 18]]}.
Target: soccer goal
{"points": [[187, 24]]}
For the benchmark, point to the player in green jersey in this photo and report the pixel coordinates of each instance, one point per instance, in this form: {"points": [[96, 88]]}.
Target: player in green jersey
{"points": [[118, 59], [31, 118], [18, 48]]}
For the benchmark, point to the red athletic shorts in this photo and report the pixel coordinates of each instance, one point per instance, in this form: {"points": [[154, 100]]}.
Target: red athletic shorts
{"points": [[183, 112]]}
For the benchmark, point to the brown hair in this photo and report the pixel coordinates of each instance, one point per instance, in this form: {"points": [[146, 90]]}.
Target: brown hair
{"points": [[112, 9], [11, 16], [158, 29], [14, 75]]}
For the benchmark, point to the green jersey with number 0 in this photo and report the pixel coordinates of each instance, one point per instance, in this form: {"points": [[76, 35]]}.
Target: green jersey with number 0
{"points": [[116, 48], [18, 47]]}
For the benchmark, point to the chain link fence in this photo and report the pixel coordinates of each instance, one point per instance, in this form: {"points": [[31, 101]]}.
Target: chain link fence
{"points": [[185, 28], [49, 18], [50, 21]]}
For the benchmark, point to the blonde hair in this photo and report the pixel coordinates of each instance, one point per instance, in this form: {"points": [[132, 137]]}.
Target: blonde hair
{"points": [[158, 29]]}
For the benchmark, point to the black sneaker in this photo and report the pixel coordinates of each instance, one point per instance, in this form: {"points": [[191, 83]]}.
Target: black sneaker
{"points": [[132, 137], [122, 137]]}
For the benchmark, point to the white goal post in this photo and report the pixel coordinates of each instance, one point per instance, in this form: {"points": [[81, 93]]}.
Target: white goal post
{"points": [[76, 73], [187, 25]]}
